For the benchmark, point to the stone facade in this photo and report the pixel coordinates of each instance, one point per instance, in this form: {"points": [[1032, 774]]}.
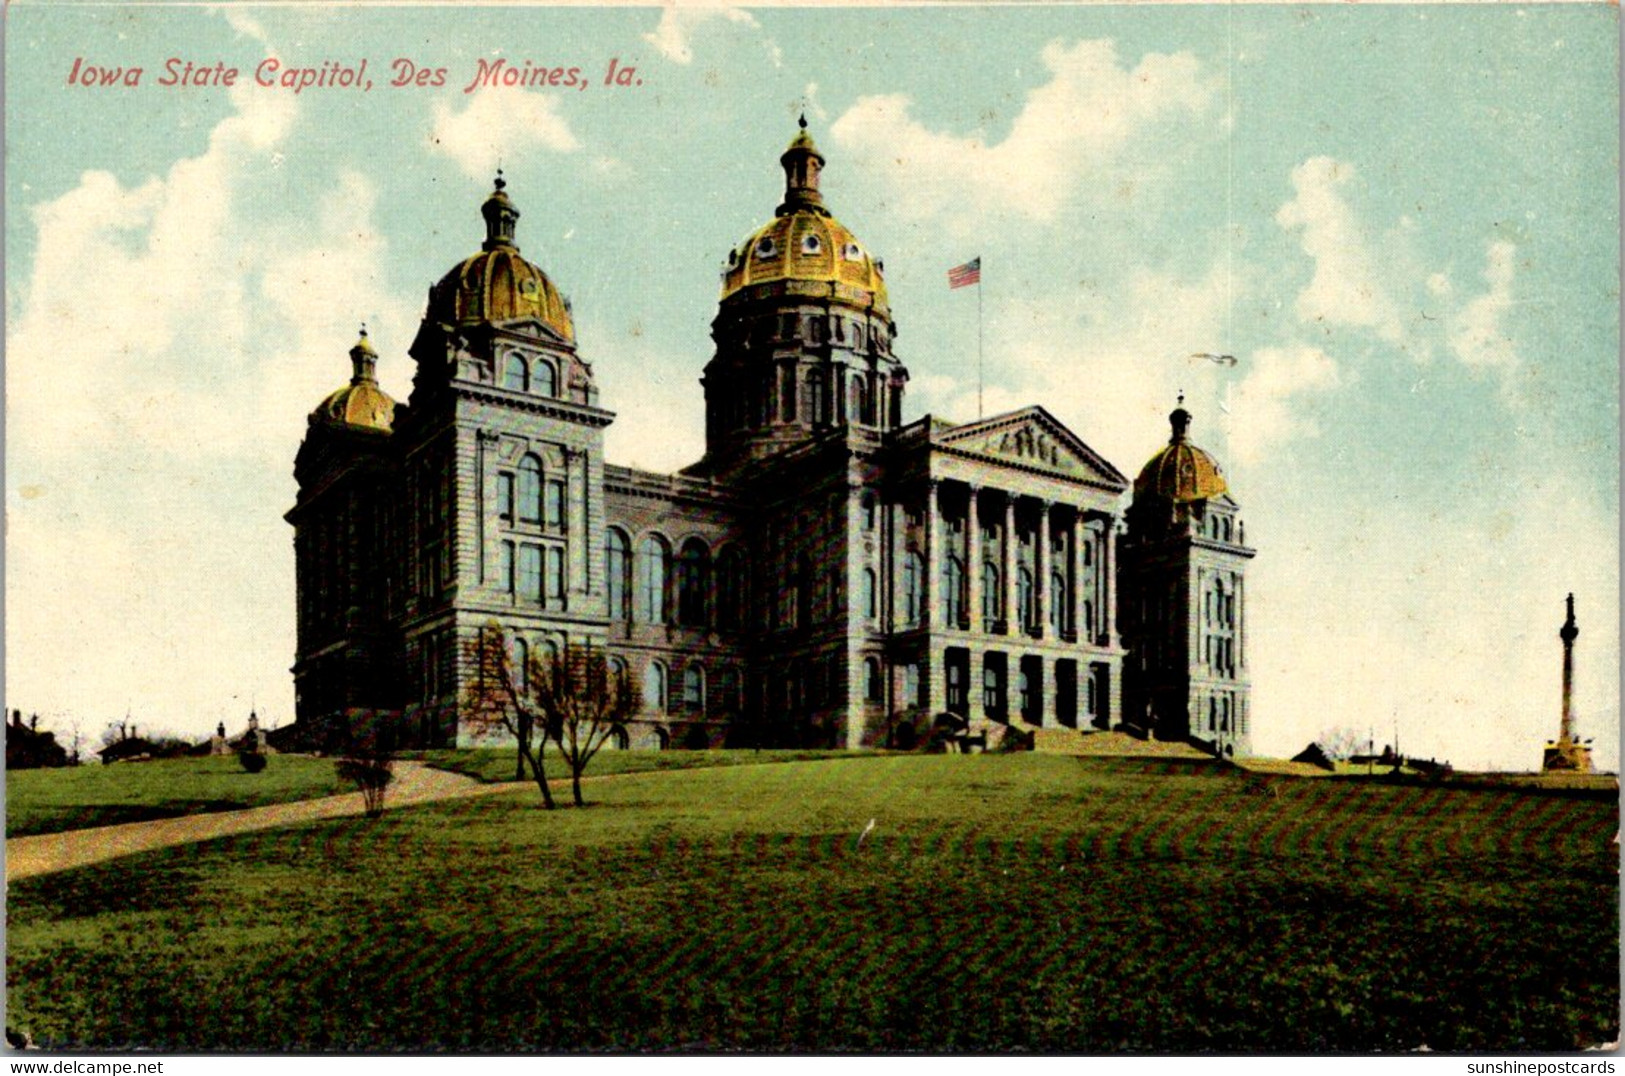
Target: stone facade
{"points": [[826, 575]]}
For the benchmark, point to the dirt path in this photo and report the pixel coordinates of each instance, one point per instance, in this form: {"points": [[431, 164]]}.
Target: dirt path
{"points": [[48, 852]]}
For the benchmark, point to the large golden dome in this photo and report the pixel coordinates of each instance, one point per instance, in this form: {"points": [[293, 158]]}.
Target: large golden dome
{"points": [[1181, 472], [361, 403], [497, 284], [804, 244]]}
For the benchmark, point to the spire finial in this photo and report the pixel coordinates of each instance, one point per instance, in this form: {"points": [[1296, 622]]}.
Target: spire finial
{"points": [[803, 120], [500, 183]]}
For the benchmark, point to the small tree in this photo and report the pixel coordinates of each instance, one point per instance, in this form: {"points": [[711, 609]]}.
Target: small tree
{"points": [[368, 760], [586, 701], [573, 698], [500, 700]]}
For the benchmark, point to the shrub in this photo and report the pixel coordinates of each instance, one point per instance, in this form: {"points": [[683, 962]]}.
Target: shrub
{"points": [[371, 773], [252, 761]]}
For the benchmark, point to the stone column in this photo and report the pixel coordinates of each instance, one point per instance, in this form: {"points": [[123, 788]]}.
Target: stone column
{"points": [[1008, 569], [1041, 570], [1074, 579], [1108, 583], [973, 560], [930, 606]]}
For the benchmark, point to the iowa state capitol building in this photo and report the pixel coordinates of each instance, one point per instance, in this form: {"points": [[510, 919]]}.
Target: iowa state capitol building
{"points": [[826, 574]]}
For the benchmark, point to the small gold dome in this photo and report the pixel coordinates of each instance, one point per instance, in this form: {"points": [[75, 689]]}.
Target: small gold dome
{"points": [[1181, 472], [803, 243], [497, 284], [361, 403]]}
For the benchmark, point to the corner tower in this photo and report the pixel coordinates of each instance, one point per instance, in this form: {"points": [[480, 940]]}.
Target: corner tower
{"points": [[1184, 596], [502, 471], [803, 332]]}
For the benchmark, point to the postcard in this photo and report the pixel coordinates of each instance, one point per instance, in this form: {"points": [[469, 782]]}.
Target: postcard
{"points": [[1066, 528]]}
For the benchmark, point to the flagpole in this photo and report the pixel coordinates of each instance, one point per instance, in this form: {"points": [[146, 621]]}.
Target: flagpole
{"points": [[978, 340]]}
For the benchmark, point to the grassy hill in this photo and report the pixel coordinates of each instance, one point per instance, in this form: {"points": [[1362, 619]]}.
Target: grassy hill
{"points": [[75, 797], [999, 902]]}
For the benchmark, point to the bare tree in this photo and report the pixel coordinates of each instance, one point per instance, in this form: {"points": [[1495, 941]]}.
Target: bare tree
{"points": [[572, 697], [1341, 743], [586, 701], [500, 700]]}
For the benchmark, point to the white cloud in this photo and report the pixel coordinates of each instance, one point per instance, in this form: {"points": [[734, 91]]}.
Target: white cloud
{"points": [[1479, 337], [1263, 406], [499, 125], [1348, 288], [1069, 130], [672, 38], [163, 348]]}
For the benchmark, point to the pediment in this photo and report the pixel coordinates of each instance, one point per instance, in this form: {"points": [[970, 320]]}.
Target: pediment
{"points": [[1032, 438], [532, 330]]}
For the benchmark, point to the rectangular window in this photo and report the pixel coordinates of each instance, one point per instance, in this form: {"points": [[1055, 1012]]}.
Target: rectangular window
{"points": [[505, 497], [530, 572], [505, 569], [555, 506], [911, 685], [555, 576]]}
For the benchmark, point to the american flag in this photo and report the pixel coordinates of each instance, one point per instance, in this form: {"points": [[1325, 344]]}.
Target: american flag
{"points": [[963, 276]]}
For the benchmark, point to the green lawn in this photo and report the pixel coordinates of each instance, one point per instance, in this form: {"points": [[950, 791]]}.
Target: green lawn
{"points": [[74, 797], [1000, 902], [497, 763]]}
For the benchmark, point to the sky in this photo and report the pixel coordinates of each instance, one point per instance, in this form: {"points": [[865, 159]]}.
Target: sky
{"points": [[1402, 221]]}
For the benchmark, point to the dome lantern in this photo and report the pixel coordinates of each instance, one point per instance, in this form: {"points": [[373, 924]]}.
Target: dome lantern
{"points": [[802, 164], [364, 360], [501, 216]]}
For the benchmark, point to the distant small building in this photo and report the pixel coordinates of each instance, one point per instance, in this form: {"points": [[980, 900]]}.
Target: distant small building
{"points": [[1315, 756], [27, 748]]}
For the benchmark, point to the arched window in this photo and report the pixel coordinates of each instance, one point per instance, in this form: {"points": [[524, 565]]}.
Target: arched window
{"points": [[858, 401], [913, 588], [992, 592], [547, 381], [515, 374], [730, 569], [1026, 611], [869, 511], [871, 607], [694, 689], [654, 564], [618, 565], [953, 591], [530, 490], [693, 579], [872, 684], [654, 688]]}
